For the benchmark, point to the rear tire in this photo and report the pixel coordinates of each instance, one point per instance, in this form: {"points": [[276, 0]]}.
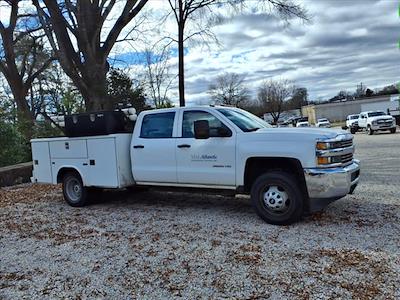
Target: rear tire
{"points": [[370, 131], [277, 198], [74, 192], [353, 130], [393, 130]]}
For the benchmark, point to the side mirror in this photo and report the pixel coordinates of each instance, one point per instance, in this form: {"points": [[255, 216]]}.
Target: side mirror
{"points": [[201, 129], [224, 132]]}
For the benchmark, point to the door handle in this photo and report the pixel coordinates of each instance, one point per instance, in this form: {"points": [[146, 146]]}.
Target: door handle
{"points": [[138, 146], [184, 146]]}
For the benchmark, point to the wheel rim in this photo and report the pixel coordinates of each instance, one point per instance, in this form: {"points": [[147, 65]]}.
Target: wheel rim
{"points": [[73, 188], [276, 199]]}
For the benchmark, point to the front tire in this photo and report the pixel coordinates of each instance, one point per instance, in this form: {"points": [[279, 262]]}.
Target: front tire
{"points": [[277, 198], [393, 130], [74, 192], [370, 131], [353, 130]]}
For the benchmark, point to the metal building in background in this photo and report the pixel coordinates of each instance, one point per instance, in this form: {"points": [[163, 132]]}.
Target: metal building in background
{"points": [[338, 111]]}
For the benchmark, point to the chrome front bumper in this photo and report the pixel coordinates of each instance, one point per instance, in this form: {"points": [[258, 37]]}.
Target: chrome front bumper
{"points": [[382, 127], [327, 185]]}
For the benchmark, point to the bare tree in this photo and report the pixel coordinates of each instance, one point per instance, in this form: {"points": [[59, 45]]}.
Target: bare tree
{"points": [[158, 79], [272, 95], [196, 10], [229, 89], [360, 90], [80, 35], [22, 58]]}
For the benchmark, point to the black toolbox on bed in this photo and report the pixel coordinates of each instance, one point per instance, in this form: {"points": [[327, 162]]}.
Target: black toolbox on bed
{"points": [[96, 123]]}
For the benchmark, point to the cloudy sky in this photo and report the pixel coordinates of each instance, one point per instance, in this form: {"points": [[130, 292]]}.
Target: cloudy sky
{"points": [[348, 42]]}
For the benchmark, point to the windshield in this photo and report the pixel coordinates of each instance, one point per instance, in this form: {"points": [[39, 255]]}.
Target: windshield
{"points": [[323, 120], [376, 113], [353, 117], [243, 119]]}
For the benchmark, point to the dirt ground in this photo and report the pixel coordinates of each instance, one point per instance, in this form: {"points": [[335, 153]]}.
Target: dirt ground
{"points": [[154, 245]]}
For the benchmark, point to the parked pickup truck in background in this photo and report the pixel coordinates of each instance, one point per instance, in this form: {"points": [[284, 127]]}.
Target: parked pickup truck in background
{"points": [[352, 123], [376, 121], [323, 123], [286, 171]]}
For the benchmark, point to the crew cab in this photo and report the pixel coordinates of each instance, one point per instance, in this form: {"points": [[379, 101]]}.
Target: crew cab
{"points": [[373, 121], [286, 171], [352, 123], [323, 123]]}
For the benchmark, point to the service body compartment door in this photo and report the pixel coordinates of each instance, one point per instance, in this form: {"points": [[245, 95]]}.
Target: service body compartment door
{"points": [[41, 162], [102, 163], [68, 149]]}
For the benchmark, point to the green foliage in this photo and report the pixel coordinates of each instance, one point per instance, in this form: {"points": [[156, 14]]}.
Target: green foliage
{"points": [[44, 129], [121, 90], [14, 147], [71, 103], [166, 104]]}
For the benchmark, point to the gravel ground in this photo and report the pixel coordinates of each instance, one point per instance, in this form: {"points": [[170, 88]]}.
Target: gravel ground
{"points": [[154, 245]]}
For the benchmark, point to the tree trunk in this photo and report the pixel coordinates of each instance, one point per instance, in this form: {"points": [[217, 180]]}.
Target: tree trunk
{"points": [[24, 116], [96, 97], [181, 56]]}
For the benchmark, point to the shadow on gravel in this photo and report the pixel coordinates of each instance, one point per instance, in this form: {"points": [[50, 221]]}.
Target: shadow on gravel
{"points": [[179, 200], [345, 211]]}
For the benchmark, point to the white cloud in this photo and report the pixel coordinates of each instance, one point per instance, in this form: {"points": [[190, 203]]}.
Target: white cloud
{"points": [[347, 43]]}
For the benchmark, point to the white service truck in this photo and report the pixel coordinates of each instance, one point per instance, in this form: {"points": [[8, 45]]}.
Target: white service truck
{"points": [[286, 171]]}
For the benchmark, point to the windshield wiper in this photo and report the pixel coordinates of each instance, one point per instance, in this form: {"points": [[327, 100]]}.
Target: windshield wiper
{"points": [[253, 129]]}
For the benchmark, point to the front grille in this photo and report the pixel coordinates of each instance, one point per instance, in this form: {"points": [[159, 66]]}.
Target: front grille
{"points": [[346, 158], [340, 153], [345, 144], [384, 123]]}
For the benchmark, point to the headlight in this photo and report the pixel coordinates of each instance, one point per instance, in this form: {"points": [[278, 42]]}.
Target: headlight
{"points": [[374, 122], [328, 145], [322, 146]]}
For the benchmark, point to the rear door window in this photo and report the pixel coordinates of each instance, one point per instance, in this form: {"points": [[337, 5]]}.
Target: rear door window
{"points": [[158, 126]]}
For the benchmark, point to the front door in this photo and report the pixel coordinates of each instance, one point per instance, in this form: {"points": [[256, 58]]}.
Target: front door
{"points": [[205, 161], [153, 149]]}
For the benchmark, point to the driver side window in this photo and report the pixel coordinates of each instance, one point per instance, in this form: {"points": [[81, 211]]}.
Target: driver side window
{"points": [[189, 117]]}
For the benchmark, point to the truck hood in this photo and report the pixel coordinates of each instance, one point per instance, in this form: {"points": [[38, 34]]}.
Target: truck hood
{"points": [[313, 132]]}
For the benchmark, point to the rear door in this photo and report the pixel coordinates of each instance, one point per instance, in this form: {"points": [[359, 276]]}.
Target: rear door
{"points": [[153, 148], [205, 161]]}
